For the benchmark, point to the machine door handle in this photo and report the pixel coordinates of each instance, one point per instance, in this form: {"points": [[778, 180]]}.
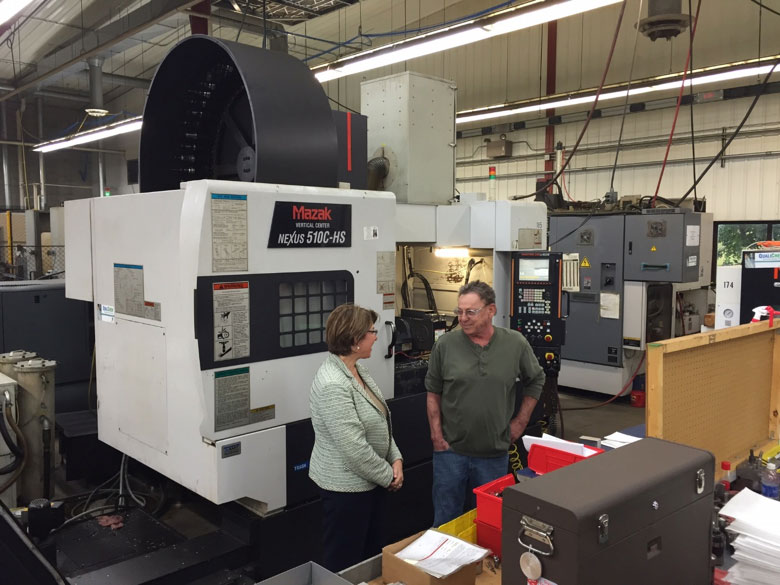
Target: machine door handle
{"points": [[393, 337], [567, 302], [646, 266]]}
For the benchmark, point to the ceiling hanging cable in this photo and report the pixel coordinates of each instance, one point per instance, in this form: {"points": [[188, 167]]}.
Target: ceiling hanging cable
{"points": [[265, 23], [590, 113], [677, 109], [625, 103], [760, 4], [243, 20], [690, 87], [717, 157]]}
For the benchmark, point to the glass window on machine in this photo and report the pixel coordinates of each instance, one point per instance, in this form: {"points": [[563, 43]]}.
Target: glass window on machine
{"points": [[732, 238], [304, 307]]}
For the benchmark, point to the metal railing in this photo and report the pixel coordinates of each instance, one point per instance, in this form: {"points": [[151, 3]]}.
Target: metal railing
{"points": [[20, 262]]}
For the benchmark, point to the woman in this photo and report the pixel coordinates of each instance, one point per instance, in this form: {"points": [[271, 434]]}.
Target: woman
{"points": [[355, 459]]}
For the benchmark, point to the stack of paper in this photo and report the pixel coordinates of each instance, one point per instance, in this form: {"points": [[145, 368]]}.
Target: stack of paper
{"points": [[757, 524], [440, 554], [616, 440], [556, 443]]}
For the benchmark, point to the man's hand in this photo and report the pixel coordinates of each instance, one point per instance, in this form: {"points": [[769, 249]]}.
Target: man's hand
{"points": [[517, 425], [439, 444], [516, 428], [398, 476]]}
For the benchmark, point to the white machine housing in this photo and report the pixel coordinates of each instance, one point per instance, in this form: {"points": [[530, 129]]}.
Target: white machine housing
{"points": [[728, 292], [411, 122], [156, 397], [501, 226]]}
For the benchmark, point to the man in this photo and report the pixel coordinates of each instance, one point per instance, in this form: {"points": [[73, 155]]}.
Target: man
{"points": [[471, 381]]}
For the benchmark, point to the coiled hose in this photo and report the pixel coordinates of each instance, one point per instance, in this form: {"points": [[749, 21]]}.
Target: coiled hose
{"points": [[22, 447]]}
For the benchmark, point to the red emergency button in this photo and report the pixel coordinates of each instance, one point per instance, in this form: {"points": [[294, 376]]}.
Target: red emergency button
{"points": [[549, 356], [548, 338]]}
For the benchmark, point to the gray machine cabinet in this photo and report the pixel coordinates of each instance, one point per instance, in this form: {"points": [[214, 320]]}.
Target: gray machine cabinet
{"points": [[663, 247], [591, 336], [657, 499]]}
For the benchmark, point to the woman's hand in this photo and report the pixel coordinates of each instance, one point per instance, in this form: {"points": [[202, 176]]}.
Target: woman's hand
{"points": [[398, 476]]}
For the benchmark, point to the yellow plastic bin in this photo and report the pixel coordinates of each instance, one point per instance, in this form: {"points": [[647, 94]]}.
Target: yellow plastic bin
{"points": [[463, 527]]}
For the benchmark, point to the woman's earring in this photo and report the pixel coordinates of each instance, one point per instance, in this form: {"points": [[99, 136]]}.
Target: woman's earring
{"points": [[358, 347]]}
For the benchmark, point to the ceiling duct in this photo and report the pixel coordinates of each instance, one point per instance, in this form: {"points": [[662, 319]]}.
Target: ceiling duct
{"points": [[664, 19]]}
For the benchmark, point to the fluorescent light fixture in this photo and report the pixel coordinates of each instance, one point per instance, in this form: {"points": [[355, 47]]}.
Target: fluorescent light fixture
{"points": [[546, 13], [525, 16], [10, 8], [612, 95], [123, 127], [451, 252]]}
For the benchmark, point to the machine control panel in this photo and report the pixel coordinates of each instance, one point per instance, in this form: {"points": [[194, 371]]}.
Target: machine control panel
{"points": [[536, 304]]}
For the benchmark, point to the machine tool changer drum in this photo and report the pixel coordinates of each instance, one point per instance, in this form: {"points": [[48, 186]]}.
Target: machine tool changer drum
{"points": [[223, 110]]}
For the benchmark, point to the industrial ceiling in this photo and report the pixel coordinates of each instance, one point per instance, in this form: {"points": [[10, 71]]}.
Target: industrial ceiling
{"points": [[45, 49]]}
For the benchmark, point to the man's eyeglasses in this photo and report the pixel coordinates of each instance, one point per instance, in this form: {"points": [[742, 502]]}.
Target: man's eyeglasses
{"points": [[468, 312], [374, 331]]}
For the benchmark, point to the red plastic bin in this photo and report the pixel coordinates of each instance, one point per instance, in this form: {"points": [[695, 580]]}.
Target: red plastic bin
{"points": [[543, 459], [489, 537], [488, 505]]}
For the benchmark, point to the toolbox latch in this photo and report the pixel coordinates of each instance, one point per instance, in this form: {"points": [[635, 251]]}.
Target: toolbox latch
{"points": [[603, 528], [700, 481], [535, 530]]}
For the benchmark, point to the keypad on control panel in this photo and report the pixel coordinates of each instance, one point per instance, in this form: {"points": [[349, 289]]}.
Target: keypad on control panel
{"points": [[534, 302]]}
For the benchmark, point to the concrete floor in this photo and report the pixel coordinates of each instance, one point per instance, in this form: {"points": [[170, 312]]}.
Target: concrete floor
{"points": [[596, 422]]}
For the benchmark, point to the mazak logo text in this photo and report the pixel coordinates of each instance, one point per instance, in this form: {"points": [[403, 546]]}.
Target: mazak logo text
{"points": [[301, 212]]}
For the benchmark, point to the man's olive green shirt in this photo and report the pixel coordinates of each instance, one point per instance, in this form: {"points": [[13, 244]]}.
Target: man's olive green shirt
{"points": [[478, 386]]}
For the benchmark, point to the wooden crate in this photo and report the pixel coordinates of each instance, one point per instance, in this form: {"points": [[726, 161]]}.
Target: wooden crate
{"points": [[718, 390]]}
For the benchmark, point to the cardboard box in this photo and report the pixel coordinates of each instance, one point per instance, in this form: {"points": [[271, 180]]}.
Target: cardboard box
{"points": [[395, 569]]}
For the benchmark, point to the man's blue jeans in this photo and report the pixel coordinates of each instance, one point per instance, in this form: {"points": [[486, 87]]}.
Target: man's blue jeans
{"points": [[454, 478]]}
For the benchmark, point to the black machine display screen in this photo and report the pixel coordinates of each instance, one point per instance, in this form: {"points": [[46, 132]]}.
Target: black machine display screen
{"points": [[533, 269], [311, 225]]}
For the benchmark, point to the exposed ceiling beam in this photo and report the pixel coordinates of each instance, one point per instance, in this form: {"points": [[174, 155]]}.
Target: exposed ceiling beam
{"points": [[124, 80], [295, 6], [91, 17], [96, 42], [60, 95], [247, 22]]}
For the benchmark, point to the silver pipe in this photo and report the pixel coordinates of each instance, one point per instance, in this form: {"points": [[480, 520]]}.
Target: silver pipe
{"points": [[95, 82], [636, 165], [6, 178], [649, 142], [122, 80], [96, 101], [41, 168], [20, 159]]}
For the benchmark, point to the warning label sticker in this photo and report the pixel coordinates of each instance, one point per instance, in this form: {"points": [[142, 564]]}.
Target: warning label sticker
{"points": [[231, 401], [585, 263], [231, 320], [229, 249], [385, 272], [129, 293]]}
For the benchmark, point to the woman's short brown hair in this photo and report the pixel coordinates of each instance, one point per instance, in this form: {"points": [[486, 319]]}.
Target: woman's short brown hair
{"points": [[346, 325]]}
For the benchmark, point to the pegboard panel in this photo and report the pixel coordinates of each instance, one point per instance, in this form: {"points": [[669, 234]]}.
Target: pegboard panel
{"points": [[715, 391]]}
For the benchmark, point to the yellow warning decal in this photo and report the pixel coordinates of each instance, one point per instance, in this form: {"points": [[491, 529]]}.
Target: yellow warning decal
{"points": [[585, 263], [653, 249]]}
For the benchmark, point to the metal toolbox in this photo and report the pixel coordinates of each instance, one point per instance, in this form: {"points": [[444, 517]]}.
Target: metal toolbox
{"points": [[639, 514]]}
